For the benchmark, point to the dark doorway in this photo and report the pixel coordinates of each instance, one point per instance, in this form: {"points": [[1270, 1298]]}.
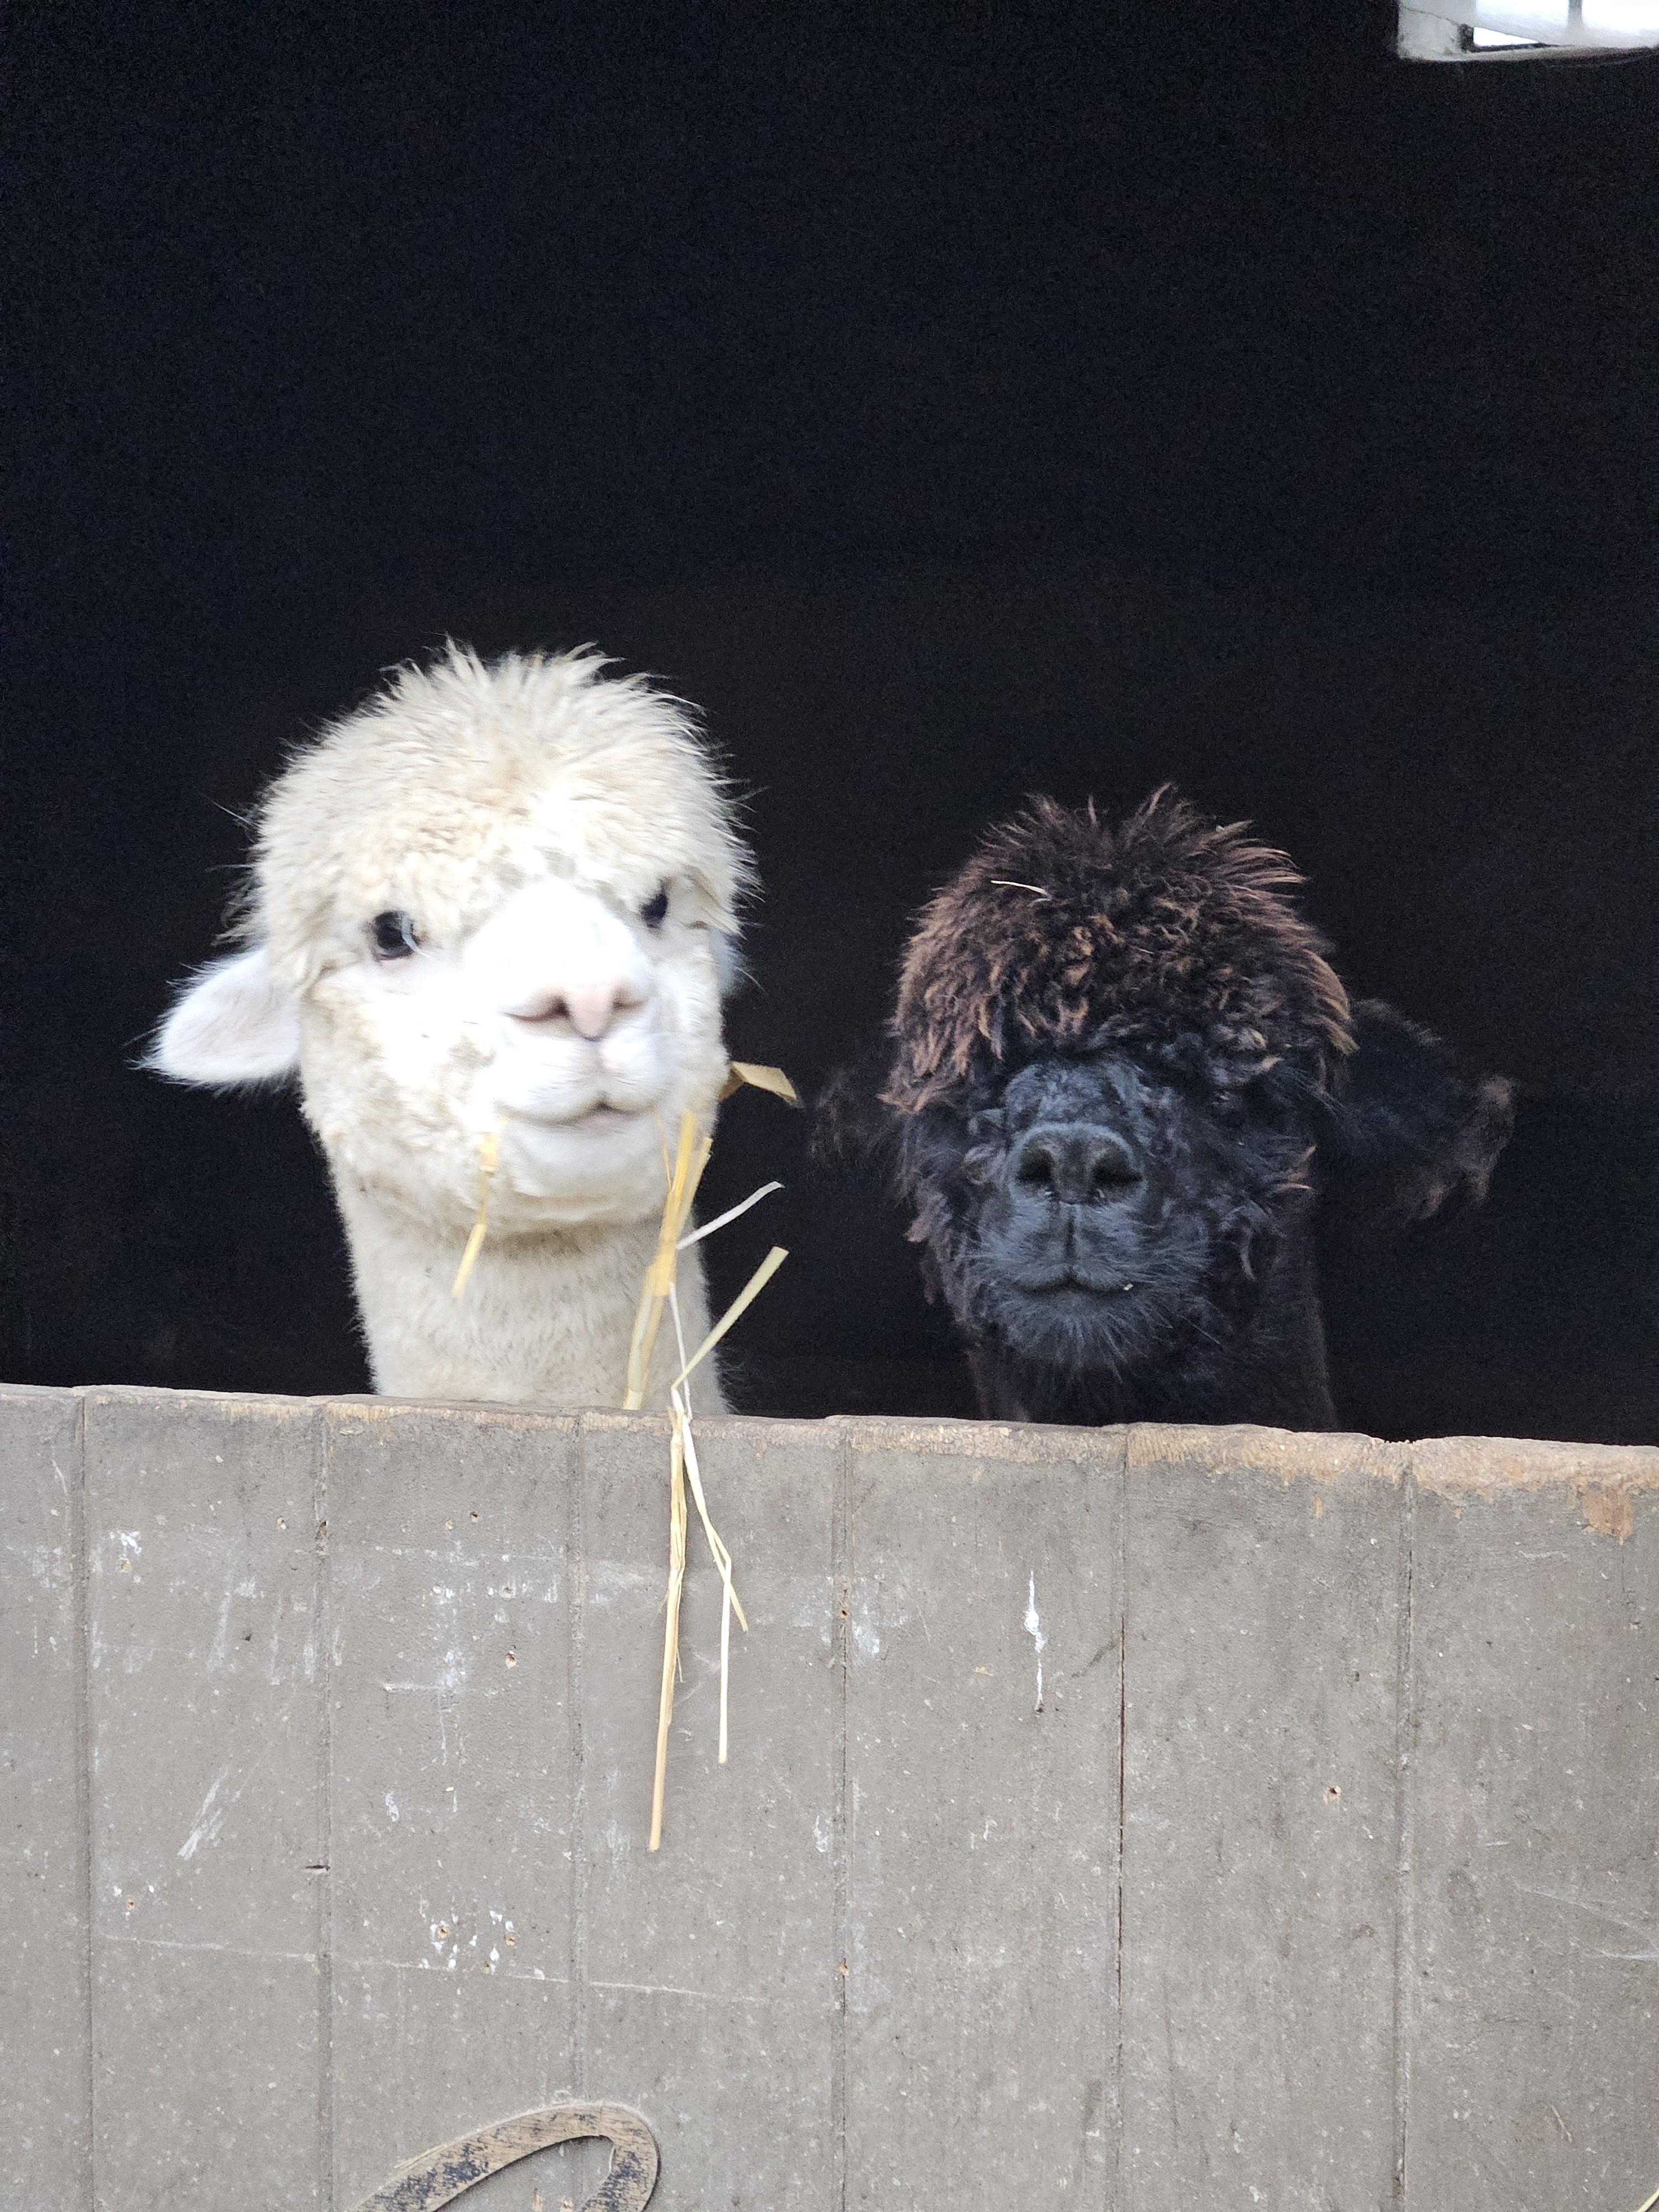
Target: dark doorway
{"points": [[954, 403]]}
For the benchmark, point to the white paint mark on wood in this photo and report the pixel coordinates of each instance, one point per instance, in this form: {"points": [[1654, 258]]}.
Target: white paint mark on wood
{"points": [[210, 1819], [1035, 1629]]}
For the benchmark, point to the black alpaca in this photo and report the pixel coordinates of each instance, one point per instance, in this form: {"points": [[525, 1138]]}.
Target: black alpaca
{"points": [[1124, 1075]]}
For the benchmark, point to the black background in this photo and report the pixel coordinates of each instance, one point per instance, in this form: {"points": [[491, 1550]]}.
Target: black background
{"points": [[954, 401]]}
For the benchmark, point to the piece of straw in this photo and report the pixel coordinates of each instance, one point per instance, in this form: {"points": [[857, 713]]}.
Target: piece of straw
{"points": [[739, 1072], [670, 1634], [490, 1154], [740, 1305], [680, 1399], [722, 1556], [696, 1235], [690, 1159], [682, 1459], [680, 1343], [1651, 2203], [729, 1604], [682, 1176]]}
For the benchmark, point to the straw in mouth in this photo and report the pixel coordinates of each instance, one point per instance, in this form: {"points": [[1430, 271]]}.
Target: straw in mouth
{"points": [[489, 1158], [658, 1292]]}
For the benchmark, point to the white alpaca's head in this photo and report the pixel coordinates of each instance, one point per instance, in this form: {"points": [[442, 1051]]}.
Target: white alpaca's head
{"points": [[495, 898]]}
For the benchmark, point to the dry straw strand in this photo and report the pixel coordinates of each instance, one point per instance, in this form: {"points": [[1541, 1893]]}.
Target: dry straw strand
{"points": [[683, 1175], [670, 1633], [691, 1158], [695, 1236], [740, 1305], [722, 1558], [680, 1395], [490, 1155], [761, 1078]]}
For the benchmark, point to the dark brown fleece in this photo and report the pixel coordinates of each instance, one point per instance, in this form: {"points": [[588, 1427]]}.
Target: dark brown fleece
{"points": [[1065, 930]]}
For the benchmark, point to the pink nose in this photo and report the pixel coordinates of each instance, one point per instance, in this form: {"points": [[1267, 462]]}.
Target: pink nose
{"points": [[591, 1009]]}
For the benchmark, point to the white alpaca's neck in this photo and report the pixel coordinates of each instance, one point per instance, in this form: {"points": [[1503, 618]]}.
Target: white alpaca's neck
{"points": [[543, 1319]]}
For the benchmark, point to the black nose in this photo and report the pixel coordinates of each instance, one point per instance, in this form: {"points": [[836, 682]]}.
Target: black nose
{"points": [[1075, 1163]]}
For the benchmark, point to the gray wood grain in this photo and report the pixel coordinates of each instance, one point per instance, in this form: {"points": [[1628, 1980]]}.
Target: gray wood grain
{"points": [[1534, 1985], [982, 1814], [1262, 1577], [45, 2079], [712, 1997], [1130, 1821], [451, 1788], [205, 1694]]}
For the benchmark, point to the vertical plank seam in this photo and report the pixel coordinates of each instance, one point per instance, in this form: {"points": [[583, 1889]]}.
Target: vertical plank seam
{"points": [[322, 1454], [1115, 2053], [1405, 1772], [575, 1614], [840, 1625], [81, 1573]]}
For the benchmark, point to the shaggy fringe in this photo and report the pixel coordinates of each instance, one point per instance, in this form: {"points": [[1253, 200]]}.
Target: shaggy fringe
{"points": [[453, 751], [1065, 931]]}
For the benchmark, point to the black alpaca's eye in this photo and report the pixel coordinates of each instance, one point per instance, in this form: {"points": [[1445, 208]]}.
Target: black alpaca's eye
{"points": [[394, 936], [655, 909]]}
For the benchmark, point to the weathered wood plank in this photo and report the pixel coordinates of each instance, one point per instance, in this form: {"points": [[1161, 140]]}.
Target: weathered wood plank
{"points": [[205, 1691], [982, 1814], [1262, 1574], [1533, 1992], [45, 2079], [712, 1994], [452, 1778]]}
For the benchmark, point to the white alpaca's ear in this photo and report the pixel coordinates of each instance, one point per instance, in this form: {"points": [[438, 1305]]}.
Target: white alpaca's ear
{"points": [[233, 1024]]}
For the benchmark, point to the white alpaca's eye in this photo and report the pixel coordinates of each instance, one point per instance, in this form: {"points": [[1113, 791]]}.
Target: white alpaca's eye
{"points": [[654, 912], [394, 936]]}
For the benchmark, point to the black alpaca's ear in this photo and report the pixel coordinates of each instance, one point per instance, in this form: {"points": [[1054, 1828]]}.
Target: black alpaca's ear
{"points": [[1407, 1132], [854, 1133]]}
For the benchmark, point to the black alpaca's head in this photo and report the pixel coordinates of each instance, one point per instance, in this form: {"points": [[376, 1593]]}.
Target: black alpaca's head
{"points": [[1124, 1071], [1104, 1213]]}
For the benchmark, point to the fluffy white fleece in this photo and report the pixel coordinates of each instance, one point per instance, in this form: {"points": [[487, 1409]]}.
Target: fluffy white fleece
{"points": [[558, 853]]}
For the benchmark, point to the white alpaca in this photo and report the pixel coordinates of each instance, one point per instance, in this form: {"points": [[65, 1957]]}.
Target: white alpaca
{"points": [[495, 899]]}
